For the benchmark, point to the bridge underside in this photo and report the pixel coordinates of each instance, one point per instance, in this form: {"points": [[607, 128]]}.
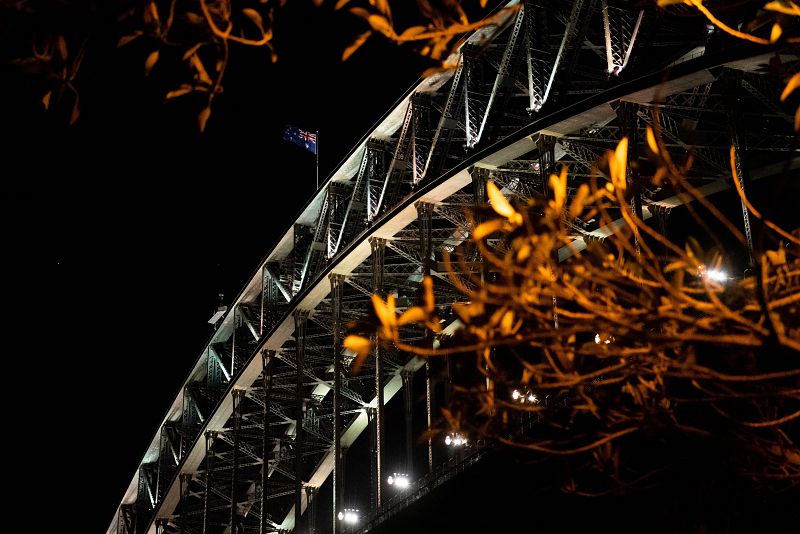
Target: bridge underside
{"points": [[253, 435]]}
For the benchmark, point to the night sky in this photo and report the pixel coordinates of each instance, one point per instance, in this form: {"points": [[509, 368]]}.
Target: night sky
{"points": [[127, 225]]}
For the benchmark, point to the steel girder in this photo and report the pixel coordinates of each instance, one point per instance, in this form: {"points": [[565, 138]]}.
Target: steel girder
{"points": [[244, 462]]}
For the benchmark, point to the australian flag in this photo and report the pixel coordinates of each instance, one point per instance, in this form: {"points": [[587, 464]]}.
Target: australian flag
{"points": [[307, 140]]}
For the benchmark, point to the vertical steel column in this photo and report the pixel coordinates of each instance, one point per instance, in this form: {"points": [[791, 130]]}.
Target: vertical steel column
{"points": [[373, 459], [378, 254], [408, 395], [264, 283], [237, 395], [661, 214], [378, 246], [185, 479], [233, 341], [266, 385], [161, 525], [628, 116], [733, 103], [300, 318], [211, 438], [337, 283], [479, 178], [311, 493], [428, 401], [424, 216], [546, 147]]}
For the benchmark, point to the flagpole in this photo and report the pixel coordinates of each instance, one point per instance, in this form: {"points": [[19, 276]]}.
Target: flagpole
{"points": [[316, 153]]}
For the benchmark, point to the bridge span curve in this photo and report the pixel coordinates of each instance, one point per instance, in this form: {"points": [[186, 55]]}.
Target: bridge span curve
{"points": [[253, 434]]}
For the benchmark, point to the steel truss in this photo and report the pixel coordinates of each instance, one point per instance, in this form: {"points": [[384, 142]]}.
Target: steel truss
{"points": [[273, 403]]}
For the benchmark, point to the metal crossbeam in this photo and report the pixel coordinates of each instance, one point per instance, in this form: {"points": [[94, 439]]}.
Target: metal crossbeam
{"points": [[621, 26]]}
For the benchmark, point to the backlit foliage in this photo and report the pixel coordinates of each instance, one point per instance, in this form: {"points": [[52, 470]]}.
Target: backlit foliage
{"points": [[193, 40], [441, 24], [196, 38], [628, 342]]}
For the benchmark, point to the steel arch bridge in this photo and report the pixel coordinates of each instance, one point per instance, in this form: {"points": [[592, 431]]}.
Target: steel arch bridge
{"points": [[271, 405]]}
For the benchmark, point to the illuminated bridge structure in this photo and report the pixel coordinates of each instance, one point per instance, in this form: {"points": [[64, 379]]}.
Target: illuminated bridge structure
{"points": [[250, 443]]}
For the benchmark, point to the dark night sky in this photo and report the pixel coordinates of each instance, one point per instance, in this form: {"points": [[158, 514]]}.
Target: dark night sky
{"points": [[127, 225]]}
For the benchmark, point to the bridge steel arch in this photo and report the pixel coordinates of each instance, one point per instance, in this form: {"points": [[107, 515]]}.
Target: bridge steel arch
{"points": [[272, 402]]}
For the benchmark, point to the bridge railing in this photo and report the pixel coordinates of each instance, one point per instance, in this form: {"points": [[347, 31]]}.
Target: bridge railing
{"points": [[456, 465]]}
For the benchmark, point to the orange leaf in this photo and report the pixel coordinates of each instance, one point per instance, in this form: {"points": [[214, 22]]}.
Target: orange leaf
{"points": [[776, 33], [618, 165], [201, 70], [360, 40], [128, 38], [501, 205], [651, 140], [467, 310], [380, 24], [150, 62], [46, 99], [153, 10], [791, 85], [359, 345], [182, 90], [76, 112], [427, 286], [202, 118], [415, 314], [386, 314], [360, 12], [558, 183], [255, 16], [61, 46], [487, 228], [189, 53], [786, 7], [412, 32], [576, 207]]}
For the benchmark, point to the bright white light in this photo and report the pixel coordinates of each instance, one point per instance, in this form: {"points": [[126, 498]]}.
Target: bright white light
{"points": [[399, 480], [349, 515], [718, 275], [456, 439], [533, 398], [515, 394], [605, 339]]}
